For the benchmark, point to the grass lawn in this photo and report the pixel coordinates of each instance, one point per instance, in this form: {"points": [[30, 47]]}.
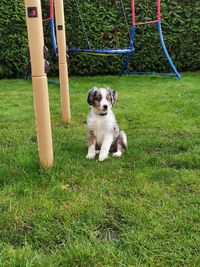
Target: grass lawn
{"points": [[138, 210]]}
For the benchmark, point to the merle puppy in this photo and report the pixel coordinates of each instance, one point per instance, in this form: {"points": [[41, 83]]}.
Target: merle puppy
{"points": [[103, 132]]}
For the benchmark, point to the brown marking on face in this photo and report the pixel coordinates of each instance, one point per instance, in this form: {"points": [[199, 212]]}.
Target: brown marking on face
{"points": [[109, 96], [97, 99], [91, 138]]}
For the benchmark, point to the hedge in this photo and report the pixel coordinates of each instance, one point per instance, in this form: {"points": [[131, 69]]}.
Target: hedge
{"points": [[105, 27]]}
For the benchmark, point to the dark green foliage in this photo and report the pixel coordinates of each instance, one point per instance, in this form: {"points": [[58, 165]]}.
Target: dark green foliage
{"points": [[13, 38], [105, 27]]}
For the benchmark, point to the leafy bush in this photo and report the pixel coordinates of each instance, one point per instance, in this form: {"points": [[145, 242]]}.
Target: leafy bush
{"points": [[106, 27], [13, 41]]}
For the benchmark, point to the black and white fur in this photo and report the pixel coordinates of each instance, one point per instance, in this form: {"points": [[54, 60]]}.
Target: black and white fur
{"points": [[103, 131]]}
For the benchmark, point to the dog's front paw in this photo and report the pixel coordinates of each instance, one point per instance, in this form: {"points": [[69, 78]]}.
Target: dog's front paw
{"points": [[90, 156], [117, 154], [102, 157]]}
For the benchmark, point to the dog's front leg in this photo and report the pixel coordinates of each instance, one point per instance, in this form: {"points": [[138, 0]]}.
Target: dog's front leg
{"points": [[107, 141], [91, 145]]}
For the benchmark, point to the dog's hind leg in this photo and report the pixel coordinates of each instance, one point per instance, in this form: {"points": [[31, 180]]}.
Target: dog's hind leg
{"points": [[121, 144]]}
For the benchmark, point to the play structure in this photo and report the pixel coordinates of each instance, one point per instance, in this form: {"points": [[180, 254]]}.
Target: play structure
{"points": [[38, 56], [126, 51], [158, 22], [89, 50]]}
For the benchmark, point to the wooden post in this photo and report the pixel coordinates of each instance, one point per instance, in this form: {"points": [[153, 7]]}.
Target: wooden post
{"points": [[39, 81], [62, 57]]}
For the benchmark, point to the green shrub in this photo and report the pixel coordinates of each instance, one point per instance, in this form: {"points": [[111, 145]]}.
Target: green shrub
{"points": [[13, 38], [105, 27]]}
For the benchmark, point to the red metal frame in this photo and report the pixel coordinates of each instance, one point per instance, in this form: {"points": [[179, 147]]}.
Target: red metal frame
{"points": [[146, 22], [133, 12], [51, 9], [51, 13], [134, 23], [158, 11]]}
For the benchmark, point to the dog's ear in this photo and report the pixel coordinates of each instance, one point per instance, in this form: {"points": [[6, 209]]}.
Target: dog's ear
{"points": [[113, 95], [91, 94]]}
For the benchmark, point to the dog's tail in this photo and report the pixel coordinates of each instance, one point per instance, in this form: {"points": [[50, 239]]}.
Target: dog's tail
{"points": [[124, 139]]}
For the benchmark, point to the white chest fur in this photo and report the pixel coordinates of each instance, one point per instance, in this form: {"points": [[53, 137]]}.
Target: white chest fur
{"points": [[102, 125]]}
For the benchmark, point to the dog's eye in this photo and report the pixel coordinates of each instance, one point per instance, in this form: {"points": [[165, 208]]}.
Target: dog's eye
{"points": [[98, 98], [108, 98]]}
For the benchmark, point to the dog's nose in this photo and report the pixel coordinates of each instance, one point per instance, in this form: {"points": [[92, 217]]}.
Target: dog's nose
{"points": [[105, 106]]}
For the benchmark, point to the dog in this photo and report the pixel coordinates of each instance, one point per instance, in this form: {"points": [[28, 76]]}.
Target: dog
{"points": [[103, 132]]}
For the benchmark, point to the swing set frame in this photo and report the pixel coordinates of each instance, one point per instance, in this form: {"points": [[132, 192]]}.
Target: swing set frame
{"points": [[159, 29], [126, 51]]}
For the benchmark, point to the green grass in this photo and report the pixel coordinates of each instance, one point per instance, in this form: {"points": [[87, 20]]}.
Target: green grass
{"points": [[139, 210]]}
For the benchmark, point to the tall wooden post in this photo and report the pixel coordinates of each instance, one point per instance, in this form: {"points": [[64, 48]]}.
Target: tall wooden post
{"points": [[62, 57], [39, 81]]}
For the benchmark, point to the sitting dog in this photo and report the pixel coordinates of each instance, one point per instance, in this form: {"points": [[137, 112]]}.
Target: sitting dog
{"points": [[103, 131]]}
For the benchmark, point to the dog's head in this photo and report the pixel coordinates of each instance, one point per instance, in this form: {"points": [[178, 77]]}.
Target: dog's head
{"points": [[102, 99]]}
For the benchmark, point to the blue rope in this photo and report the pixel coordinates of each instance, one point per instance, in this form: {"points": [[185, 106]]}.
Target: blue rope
{"points": [[109, 51], [53, 36]]}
